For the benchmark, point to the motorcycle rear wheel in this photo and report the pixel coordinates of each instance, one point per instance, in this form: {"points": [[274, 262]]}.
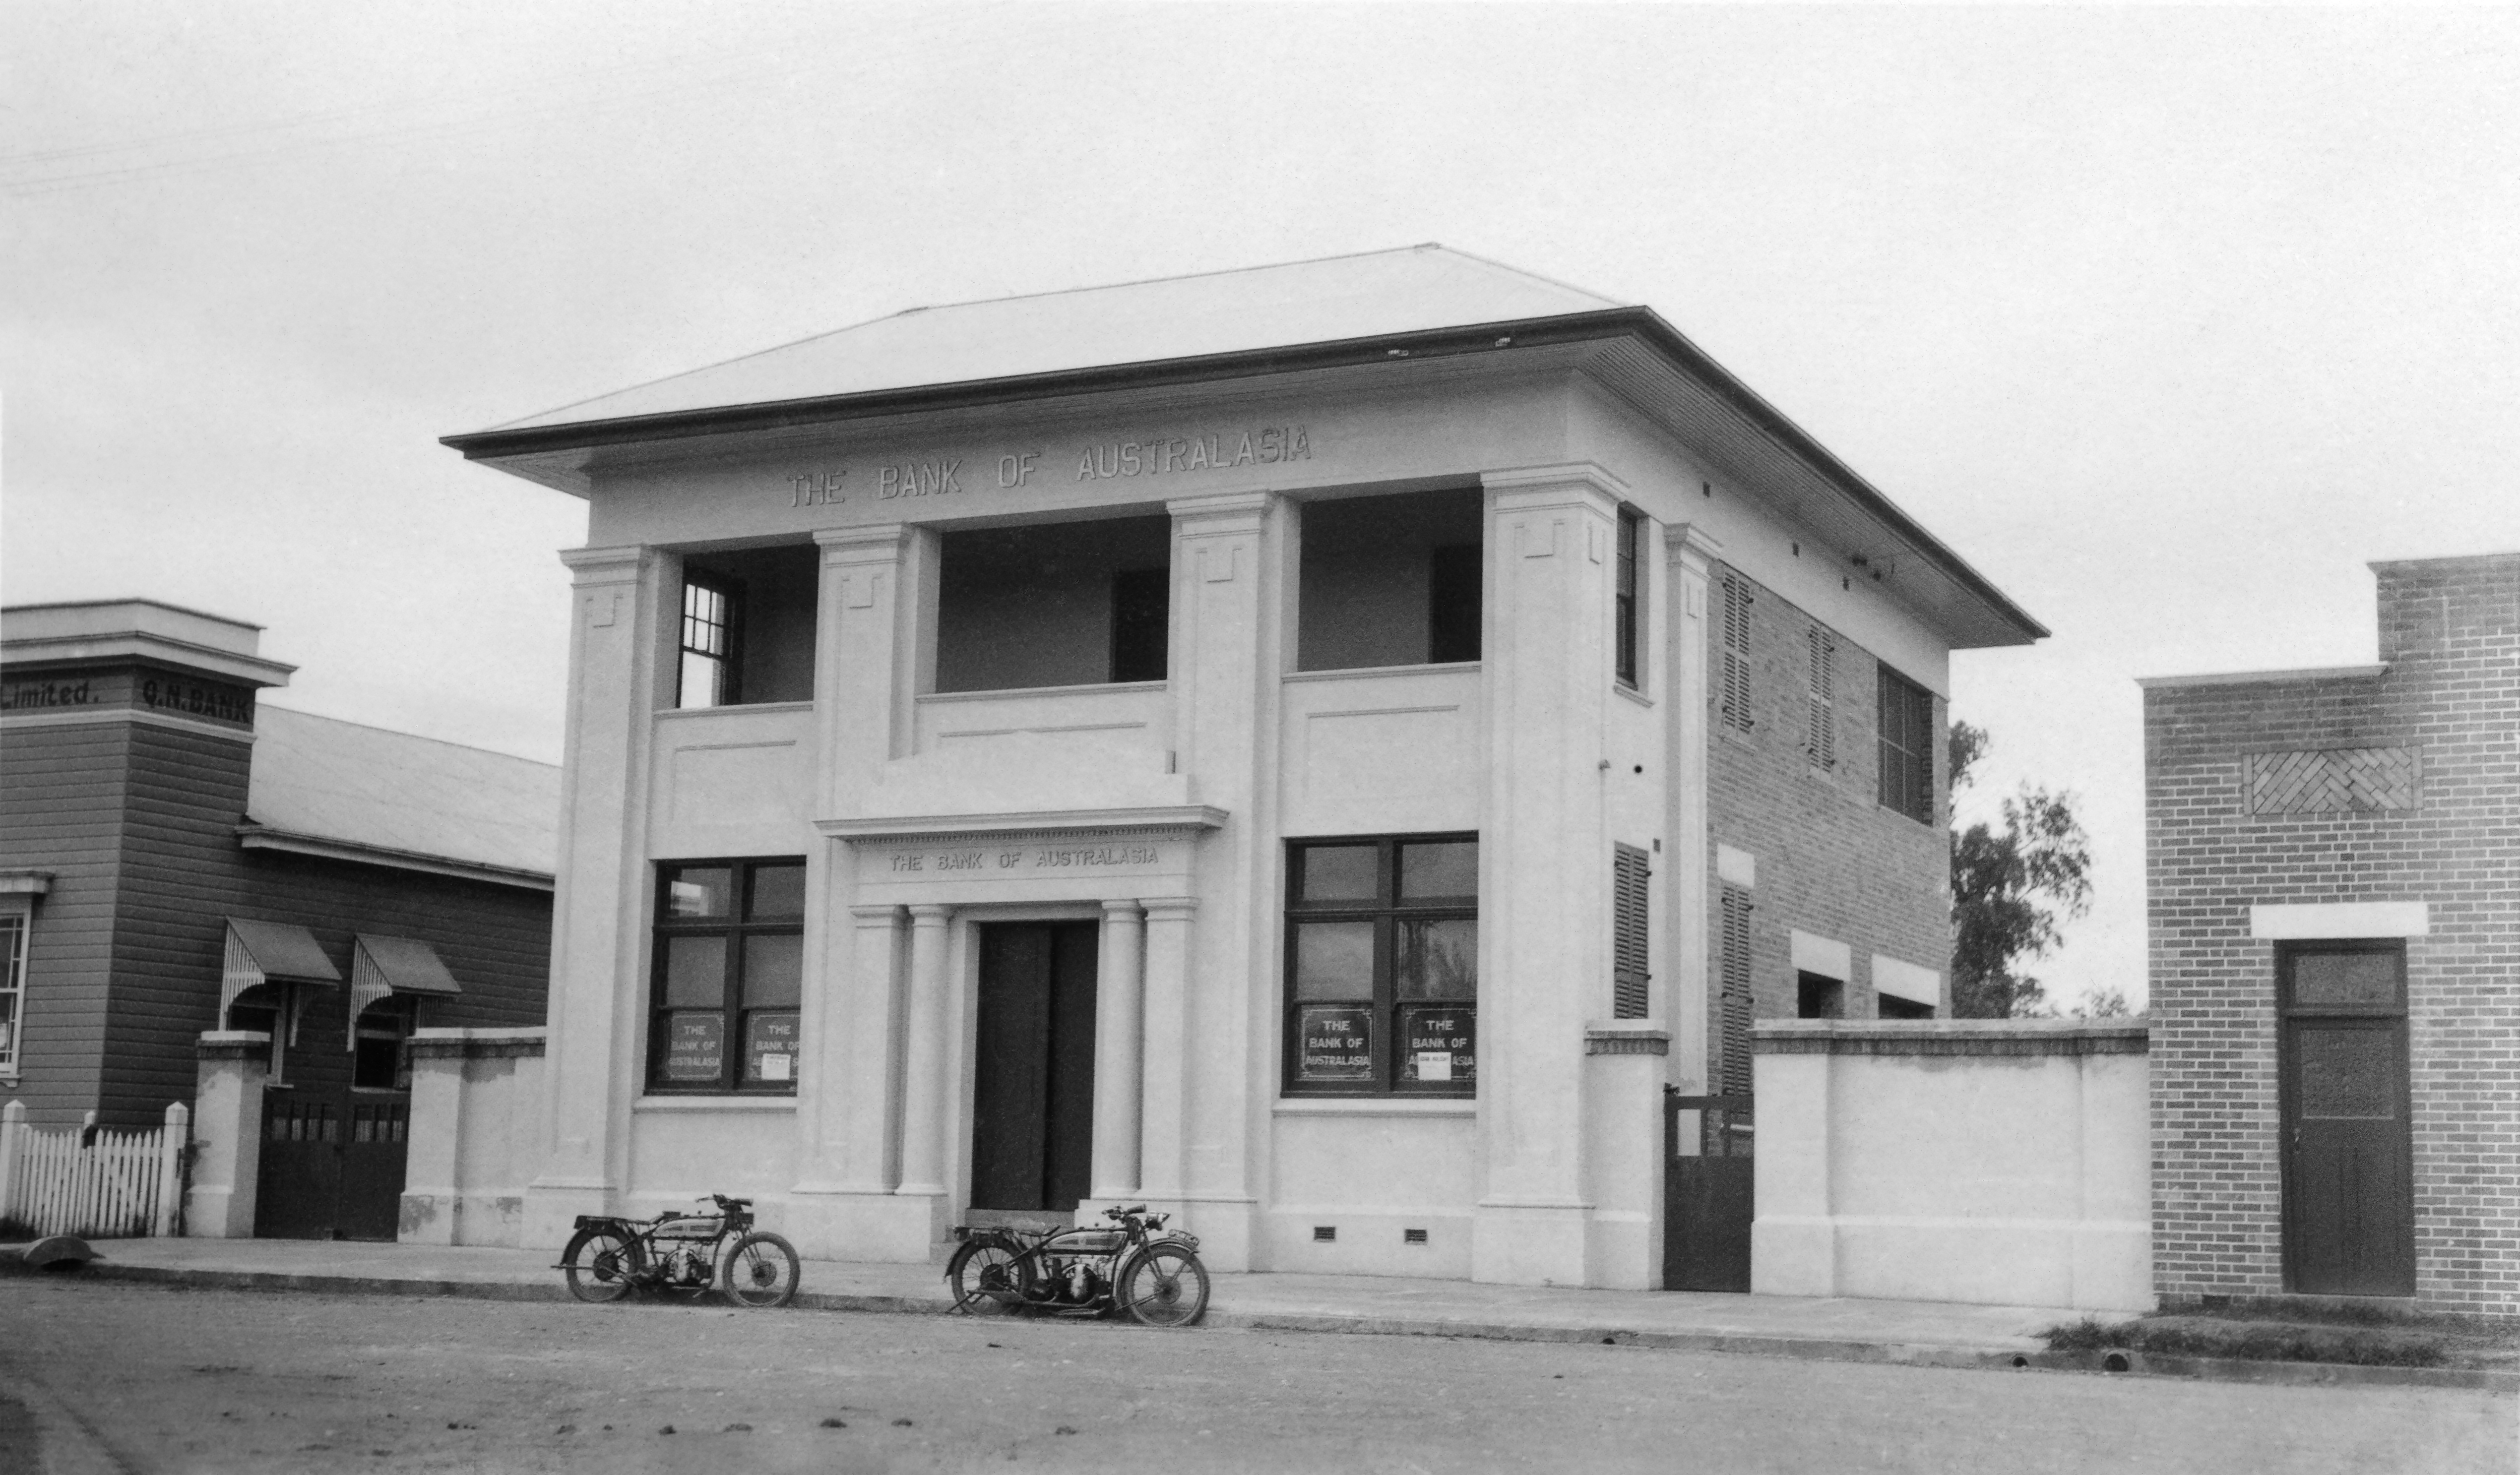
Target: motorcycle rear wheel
{"points": [[1163, 1285], [602, 1265], [989, 1277], [761, 1270]]}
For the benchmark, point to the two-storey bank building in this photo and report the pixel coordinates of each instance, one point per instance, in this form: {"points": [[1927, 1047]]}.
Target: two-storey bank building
{"points": [[1317, 749]]}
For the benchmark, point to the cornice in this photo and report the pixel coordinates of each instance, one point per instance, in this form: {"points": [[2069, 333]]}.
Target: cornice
{"points": [[1048, 823]]}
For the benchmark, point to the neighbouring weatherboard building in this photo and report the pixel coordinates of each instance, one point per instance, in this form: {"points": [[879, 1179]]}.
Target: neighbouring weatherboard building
{"points": [[178, 860], [1319, 748], [2334, 874]]}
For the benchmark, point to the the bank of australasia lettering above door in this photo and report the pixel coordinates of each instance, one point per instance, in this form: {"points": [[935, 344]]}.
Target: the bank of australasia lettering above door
{"points": [[729, 973], [1382, 965], [1164, 455]]}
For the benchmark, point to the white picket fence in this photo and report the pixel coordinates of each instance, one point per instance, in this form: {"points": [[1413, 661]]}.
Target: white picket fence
{"points": [[91, 1182]]}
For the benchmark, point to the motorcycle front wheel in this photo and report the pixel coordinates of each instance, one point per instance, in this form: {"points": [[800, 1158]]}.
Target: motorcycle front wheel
{"points": [[1163, 1285], [601, 1264], [988, 1277], [761, 1270]]}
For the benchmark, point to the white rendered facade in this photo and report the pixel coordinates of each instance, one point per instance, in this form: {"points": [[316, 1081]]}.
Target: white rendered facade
{"points": [[1160, 810]]}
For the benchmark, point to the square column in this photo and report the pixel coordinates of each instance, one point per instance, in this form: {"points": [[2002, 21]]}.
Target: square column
{"points": [[866, 654], [1228, 640], [1544, 862], [1167, 1090], [1119, 1041], [847, 1118], [620, 634]]}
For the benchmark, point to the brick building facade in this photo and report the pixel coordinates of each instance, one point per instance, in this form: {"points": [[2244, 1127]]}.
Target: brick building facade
{"points": [[2334, 864], [1837, 885]]}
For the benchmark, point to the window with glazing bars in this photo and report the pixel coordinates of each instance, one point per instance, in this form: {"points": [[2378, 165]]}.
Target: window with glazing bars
{"points": [[1629, 980], [1820, 701], [729, 977], [13, 987], [1734, 691], [710, 612], [1382, 966], [1906, 747], [1629, 616]]}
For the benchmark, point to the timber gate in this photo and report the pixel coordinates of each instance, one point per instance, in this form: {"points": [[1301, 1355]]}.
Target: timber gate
{"points": [[1707, 1194]]}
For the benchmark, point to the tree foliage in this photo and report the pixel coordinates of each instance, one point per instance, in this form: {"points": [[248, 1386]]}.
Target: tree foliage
{"points": [[2011, 886]]}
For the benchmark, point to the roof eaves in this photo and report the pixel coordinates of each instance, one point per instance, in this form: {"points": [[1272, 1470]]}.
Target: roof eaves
{"points": [[1561, 328]]}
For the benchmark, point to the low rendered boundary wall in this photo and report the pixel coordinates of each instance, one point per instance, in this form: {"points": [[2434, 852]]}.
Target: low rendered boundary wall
{"points": [[1992, 1160]]}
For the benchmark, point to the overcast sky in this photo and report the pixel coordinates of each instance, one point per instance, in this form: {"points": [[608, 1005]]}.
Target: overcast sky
{"points": [[2168, 321]]}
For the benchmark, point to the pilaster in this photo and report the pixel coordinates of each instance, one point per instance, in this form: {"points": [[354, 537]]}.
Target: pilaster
{"points": [[1166, 1095], [867, 653], [617, 646], [1119, 1043]]}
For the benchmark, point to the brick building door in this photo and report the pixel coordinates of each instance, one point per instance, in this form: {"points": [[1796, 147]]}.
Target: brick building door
{"points": [[1032, 1087], [2348, 1145]]}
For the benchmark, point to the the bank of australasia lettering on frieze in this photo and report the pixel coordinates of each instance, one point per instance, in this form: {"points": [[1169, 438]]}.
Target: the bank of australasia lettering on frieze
{"points": [[1102, 460], [1025, 858]]}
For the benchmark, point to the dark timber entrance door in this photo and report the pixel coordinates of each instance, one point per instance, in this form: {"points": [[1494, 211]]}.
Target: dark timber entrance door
{"points": [[2348, 1145], [1032, 1091]]}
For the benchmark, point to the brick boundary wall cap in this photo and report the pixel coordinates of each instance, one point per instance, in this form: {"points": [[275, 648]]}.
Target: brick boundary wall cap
{"points": [[1948, 1037]]}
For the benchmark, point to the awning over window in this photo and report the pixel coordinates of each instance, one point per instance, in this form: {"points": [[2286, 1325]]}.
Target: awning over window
{"points": [[383, 966], [270, 952]]}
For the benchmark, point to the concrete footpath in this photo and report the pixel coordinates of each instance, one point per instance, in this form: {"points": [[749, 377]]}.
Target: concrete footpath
{"points": [[1937, 1334]]}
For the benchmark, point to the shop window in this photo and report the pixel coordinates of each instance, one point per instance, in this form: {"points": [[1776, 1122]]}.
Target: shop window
{"points": [[1630, 610], [1733, 694], [1817, 996], [1382, 966], [729, 977], [1820, 698], [1892, 1006], [13, 986], [1906, 747], [1628, 898], [747, 626], [1390, 580], [1054, 604]]}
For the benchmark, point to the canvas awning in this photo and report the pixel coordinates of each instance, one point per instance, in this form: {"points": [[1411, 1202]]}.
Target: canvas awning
{"points": [[383, 966], [270, 952]]}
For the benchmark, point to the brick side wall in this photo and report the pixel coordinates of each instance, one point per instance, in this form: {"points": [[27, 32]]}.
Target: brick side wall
{"points": [[2450, 631], [1831, 861]]}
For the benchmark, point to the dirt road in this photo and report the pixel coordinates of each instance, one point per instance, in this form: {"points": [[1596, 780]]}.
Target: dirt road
{"points": [[216, 1381]]}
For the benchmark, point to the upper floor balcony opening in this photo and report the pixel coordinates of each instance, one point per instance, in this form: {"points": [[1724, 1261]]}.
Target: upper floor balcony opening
{"points": [[747, 627], [1390, 580], [1054, 604]]}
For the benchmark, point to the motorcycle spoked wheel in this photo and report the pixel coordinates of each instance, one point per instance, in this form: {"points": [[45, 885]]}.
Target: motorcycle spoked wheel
{"points": [[761, 1270], [989, 1278], [1163, 1285]]}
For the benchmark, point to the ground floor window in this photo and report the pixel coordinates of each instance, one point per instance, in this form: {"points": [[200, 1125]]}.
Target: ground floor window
{"points": [[729, 976], [13, 986], [1382, 966]]}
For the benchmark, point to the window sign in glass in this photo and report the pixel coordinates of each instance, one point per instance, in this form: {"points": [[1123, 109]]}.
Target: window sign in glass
{"points": [[778, 891], [694, 1047], [1337, 1043], [1342, 873], [1447, 870], [699, 892], [770, 1047], [1438, 1043], [1334, 961]]}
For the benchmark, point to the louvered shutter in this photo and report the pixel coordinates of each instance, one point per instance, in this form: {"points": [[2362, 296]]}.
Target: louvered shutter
{"points": [[1736, 654], [1820, 722], [1733, 948], [1628, 975]]}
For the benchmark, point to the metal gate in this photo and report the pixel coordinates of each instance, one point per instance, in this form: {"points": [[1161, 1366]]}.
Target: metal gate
{"points": [[1707, 1196], [332, 1164]]}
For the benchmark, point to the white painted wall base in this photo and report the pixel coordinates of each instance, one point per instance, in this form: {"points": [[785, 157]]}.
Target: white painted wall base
{"points": [[1530, 1244], [1996, 1161]]}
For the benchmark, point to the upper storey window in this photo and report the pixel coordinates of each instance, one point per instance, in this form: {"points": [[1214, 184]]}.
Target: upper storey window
{"points": [[1391, 581], [1057, 604], [1906, 747], [747, 628]]}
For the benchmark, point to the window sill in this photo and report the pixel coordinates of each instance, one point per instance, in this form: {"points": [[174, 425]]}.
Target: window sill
{"points": [[1369, 672], [1375, 1106], [1632, 693], [734, 709], [999, 693], [700, 1103]]}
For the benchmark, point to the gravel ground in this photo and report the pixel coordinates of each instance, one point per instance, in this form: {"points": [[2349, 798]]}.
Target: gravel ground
{"points": [[179, 1380]]}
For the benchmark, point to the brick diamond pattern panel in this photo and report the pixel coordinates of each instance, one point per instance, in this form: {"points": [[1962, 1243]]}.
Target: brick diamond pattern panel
{"points": [[2332, 778]]}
